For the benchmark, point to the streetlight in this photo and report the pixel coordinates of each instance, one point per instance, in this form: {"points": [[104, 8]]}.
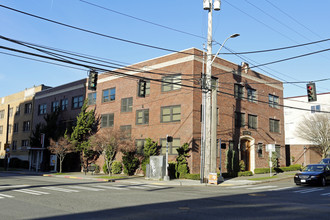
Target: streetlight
{"points": [[231, 36]]}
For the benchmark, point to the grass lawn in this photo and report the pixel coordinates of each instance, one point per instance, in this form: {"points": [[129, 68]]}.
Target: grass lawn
{"points": [[264, 178]]}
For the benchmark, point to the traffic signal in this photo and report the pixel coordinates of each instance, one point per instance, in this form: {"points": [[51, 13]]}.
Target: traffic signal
{"points": [[92, 80], [169, 139], [311, 92], [142, 88]]}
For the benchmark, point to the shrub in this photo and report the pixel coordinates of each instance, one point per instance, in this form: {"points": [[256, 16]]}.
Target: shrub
{"points": [[105, 169], [116, 167], [245, 173], [192, 176], [130, 162], [181, 166], [171, 169], [150, 148]]}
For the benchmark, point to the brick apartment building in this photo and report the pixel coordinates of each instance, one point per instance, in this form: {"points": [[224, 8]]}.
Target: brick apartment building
{"points": [[301, 151], [69, 99], [249, 106], [16, 112]]}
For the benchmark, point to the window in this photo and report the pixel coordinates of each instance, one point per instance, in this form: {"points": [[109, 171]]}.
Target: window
{"points": [[28, 108], [273, 101], [170, 114], [92, 98], [10, 112], [2, 114], [278, 151], [15, 127], [64, 104], [25, 144], [42, 109], [55, 106], [18, 110], [1, 129], [238, 91], [139, 143], [26, 126], [315, 108], [142, 117], [239, 119], [274, 125], [251, 95], [260, 151], [172, 146], [77, 102], [126, 104], [14, 146], [170, 83], [109, 95], [127, 129], [253, 121], [107, 120]]}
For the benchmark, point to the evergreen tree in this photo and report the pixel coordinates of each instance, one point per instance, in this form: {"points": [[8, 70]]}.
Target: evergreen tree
{"points": [[86, 126], [150, 148]]}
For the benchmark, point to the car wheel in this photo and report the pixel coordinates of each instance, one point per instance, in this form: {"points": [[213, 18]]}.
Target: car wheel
{"points": [[323, 181], [298, 184]]}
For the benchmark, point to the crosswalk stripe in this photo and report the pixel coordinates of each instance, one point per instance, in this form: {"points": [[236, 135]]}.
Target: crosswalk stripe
{"points": [[262, 187], [60, 189], [111, 187], [283, 188], [4, 195], [325, 194], [308, 190], [32, 192], [235, 187], [86, 188]]}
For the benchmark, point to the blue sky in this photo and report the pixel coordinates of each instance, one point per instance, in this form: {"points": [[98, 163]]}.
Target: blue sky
{"points": [[262, 24]]}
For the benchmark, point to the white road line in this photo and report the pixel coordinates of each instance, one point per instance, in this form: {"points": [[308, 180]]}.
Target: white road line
{"points": [[86, 188], [138, 187], [8, 196], [283, 188], [60, 189], [111, 187], [14, 186], [235, 187], [32, 192], [324, 194], [308, 190], [262, 187]]}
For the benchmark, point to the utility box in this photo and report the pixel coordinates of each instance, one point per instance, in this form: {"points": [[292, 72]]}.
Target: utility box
{"points": [[156, 168]]}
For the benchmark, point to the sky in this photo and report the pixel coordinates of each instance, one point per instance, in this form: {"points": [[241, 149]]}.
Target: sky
{"points": [[171, 24]]}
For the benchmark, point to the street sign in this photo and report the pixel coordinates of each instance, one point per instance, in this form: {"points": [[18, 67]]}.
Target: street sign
{"points": [[270, 147]]}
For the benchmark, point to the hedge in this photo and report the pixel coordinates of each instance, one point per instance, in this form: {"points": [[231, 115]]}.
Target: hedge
{"points": [[278, 170]]}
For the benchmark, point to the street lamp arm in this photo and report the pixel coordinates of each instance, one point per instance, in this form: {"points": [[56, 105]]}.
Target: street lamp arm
{"points": [[231, 36]]}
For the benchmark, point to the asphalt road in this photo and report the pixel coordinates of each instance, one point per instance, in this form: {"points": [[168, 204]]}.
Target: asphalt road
{"points": [[36, 197]]}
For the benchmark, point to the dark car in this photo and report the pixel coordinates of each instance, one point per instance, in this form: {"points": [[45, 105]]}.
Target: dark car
{"points": [[325, 161], [313, 174]]}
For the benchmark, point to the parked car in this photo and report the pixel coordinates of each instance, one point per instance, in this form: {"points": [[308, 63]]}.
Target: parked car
{"points": [[313, 174], [325, 161]]}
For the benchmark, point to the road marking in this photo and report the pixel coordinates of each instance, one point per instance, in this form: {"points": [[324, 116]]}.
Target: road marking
{"points": [[60, 189], [262, 187], [86, 188], [325, 194], [234, 187], [111, 187], [15, 186], [308, 190], [2, 196], [283, 188], [32, 192]]}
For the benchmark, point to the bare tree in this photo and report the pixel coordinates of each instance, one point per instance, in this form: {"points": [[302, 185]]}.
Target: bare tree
{"points": [[316, 129], [107, 142], [61, 148]]}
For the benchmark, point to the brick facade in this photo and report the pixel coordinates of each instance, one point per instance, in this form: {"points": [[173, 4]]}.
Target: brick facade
{"points": [[187, 100]]}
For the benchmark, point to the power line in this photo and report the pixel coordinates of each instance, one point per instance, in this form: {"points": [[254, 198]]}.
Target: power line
{"points": [[95, 33], [143, 20]]}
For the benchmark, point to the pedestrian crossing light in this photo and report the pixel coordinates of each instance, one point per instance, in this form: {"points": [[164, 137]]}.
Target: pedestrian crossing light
{"points": [[92, 80], [311, 92]]}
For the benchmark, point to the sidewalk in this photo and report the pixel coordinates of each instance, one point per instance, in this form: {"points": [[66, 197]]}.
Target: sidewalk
{"points": [[237, 181]]}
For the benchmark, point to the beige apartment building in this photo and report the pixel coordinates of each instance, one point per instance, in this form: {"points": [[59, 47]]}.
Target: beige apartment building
{"points": [[16, 112]]}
